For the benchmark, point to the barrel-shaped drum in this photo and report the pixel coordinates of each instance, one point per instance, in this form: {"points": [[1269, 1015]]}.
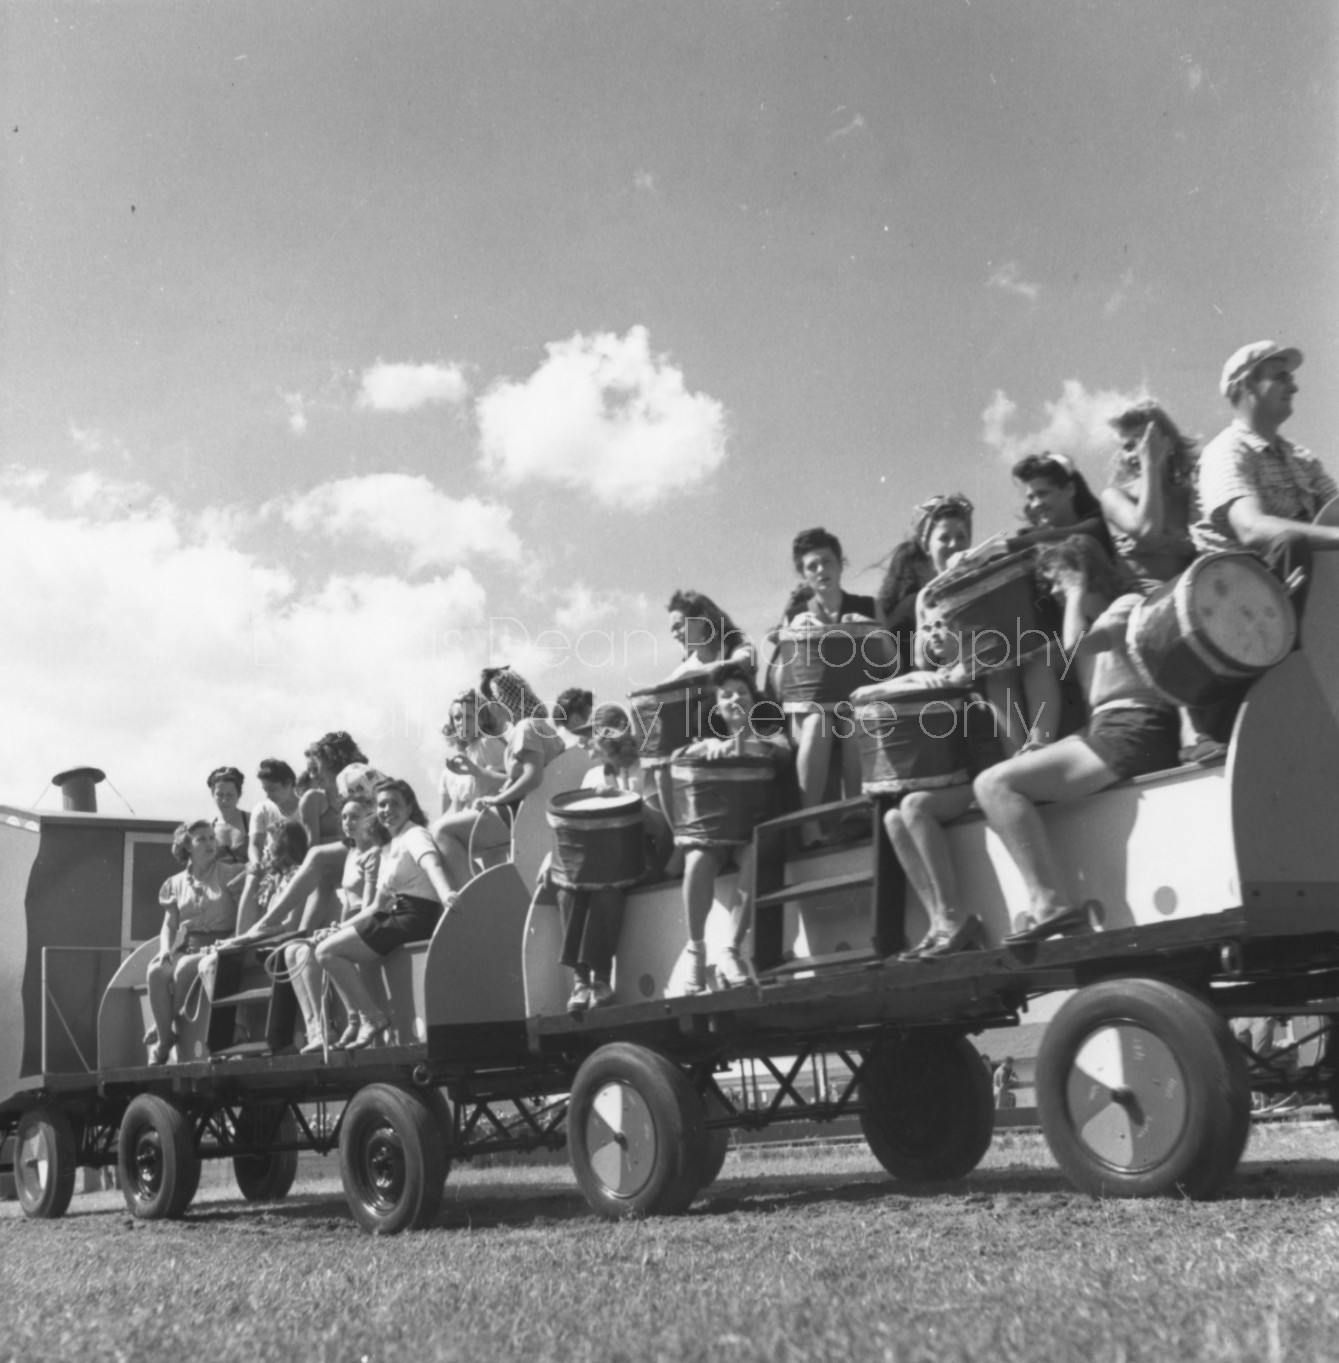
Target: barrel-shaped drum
{"points": [[600, 839], [913, 742], [666, 717], [993, 609], [719, 801], [1222, 622], [823, 666]]}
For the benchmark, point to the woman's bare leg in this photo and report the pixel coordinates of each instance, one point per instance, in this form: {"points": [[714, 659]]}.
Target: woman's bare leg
{"points": [[340, 956]]}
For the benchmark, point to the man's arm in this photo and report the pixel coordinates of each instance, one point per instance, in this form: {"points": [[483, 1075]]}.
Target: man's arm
{"points": [[1256, 529]]}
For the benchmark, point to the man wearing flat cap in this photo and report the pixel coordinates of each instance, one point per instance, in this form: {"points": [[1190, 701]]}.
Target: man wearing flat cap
{"points": [[1259, 491]]}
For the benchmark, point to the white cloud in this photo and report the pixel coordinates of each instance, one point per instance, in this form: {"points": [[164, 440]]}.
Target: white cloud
{"points": [[157, 649], [603, 415], [580, 607], [1009, 278], [90, 440], [405, 387], [1075, 424], [408, 513]]}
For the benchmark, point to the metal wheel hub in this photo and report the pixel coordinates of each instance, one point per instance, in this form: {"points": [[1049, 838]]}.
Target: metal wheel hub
{"points": [[383, 1168], [620, 1139], [1127, 1097], [148, 1165]]}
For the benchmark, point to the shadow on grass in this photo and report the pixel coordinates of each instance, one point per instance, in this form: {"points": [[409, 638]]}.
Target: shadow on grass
{"points": [[489, 1206]]}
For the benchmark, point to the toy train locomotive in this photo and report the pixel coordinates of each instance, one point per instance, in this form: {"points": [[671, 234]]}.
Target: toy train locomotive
{"points": [[1214, 889]]}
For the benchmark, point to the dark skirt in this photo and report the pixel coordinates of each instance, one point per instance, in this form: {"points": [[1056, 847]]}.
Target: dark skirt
{"points": [[409, 919]]}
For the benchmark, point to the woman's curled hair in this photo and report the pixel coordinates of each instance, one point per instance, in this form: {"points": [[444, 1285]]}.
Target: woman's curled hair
{"points": [[336, 750], [406, 793], [182, 836]]}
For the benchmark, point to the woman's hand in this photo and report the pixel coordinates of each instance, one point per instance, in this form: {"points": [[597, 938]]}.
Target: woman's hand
{"points": [[461, 765], [1153, 449]]}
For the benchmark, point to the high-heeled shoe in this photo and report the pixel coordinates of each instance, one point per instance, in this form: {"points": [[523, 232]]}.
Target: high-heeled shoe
{"points": [[350, 1033], [373, 1031], [965, 937], [1064, 923], [315, 1046]]}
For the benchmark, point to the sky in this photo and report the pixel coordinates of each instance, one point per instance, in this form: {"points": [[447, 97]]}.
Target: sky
{"points": [[349, 348]]}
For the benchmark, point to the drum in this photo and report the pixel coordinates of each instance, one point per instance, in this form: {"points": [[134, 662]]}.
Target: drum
{"points": [[667, 717], [991, 608], [824, 666], [913, 742], [718, 802], [1223, 621], [600, 839]]}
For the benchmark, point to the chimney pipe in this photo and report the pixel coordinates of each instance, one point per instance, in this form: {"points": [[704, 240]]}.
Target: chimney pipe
{"points": [[78, 788]]}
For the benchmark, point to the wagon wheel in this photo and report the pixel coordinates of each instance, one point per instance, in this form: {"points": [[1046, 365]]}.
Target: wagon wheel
{"points": [[635, 1133], [46, 1152], [160, 1170], [266, 1177], [1142, 1091], [392, 1159], [929, 1110]]}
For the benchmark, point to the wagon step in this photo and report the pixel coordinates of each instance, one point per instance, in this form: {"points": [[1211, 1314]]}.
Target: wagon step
{"points": [[260, 995], [812, 889]]}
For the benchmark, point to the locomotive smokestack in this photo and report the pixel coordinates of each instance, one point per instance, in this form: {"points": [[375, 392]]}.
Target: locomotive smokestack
{"points": [[78, 788]]}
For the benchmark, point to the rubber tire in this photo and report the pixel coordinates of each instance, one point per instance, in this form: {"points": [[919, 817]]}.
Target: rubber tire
{"points": [[391, 1137], [267, 1177], [158, 1121], [674, 1117], [1215, 1085], [929, 1109], [49, 1125], [717, 1143]]}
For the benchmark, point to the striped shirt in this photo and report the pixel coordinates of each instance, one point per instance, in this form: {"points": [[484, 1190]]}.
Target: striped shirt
{"points": [[1289, 481]]}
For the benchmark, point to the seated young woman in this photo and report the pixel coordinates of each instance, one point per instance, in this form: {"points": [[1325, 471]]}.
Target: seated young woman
{"points": [[736, 697], [506, 708], [940, 531], [817, 601], [232, 826], [338, 770], [410, 897], [199, 912], [473, 766], [363, 837], [1132, 731], [915, 824], [280, 805]]}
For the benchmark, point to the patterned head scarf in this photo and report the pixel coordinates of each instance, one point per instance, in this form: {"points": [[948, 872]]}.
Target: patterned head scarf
{"points": [[947, 506], [513, 693]]}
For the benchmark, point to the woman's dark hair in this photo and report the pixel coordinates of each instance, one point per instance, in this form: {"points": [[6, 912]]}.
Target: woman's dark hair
{"points": [[1130, 425], [225, 774], [181, 839], [406, 792], [694, 605], [1057, 470], [336, 750], [275, 769], [574, 701], [1082, 553], [735, 672], [291, 840], [815, 538]]}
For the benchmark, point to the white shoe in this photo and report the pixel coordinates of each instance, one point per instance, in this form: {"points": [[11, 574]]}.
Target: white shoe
{"points": [[731, 968], [690, 975], [601, 992]]}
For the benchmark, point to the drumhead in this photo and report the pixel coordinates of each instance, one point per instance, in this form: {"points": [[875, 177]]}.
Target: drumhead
{"points": [[1242, 610], [594, 804]]}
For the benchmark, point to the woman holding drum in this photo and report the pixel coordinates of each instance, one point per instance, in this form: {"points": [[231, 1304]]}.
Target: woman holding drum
{"points": [[816, 610], [725, 791], [1133, 731]]}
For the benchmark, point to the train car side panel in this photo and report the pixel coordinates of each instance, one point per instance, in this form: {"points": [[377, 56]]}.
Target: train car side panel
{"points": [[19, 842]]}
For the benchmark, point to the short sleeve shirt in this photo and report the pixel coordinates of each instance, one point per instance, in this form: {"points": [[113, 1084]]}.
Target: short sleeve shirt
{"points": [[463, 791], [533, 740], [204, 904], [850, 605], [400, 871], [1288, 480], [1115, 677]]}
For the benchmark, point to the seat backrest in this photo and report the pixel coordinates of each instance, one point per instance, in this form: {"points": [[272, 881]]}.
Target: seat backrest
{"points": [[534, 838]]}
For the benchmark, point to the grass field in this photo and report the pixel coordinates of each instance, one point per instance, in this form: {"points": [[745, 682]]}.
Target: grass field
{"points": [[800, 1254]]}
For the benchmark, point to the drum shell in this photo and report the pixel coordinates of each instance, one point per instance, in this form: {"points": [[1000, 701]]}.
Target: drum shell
{"points": [[825, 666], [913, 742], [991, 608], [668, 718], [597, 848], [1173, 651], [718, 803]]}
